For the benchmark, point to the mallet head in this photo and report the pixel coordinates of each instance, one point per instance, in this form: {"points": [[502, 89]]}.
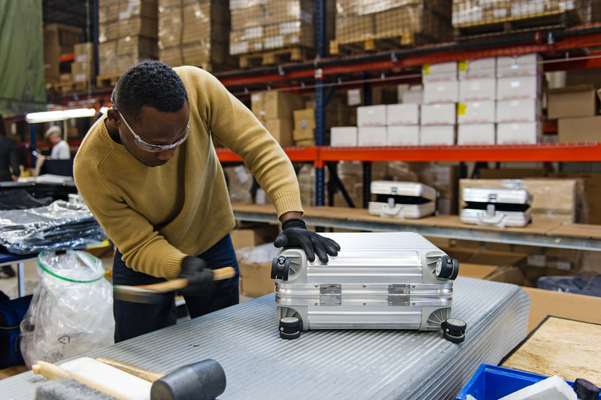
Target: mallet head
{"points": [[204, 380]]}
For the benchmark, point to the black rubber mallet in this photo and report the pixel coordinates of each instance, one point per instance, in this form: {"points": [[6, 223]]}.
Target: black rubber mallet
{"points": [[204, 380]]}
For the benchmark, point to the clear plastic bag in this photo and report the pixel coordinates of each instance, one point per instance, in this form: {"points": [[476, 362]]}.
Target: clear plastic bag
{"points": [[259, 254], [71, 311]]}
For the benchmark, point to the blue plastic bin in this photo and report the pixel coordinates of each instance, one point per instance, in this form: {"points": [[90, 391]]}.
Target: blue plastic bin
{"points": [[491, 382]]}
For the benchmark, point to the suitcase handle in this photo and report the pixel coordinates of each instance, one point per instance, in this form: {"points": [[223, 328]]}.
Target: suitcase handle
{"points": [[388, 211], [486, 219]]}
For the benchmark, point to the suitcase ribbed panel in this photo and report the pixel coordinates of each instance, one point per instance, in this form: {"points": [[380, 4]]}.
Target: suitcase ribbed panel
{"points": [[330, 364]]}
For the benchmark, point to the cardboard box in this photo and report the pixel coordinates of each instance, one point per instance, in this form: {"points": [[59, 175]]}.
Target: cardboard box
{"points": [[415, 95], [579, 130], [371, 115], [343, 136], [559, 199], [281, 130], [519, 133], [304, 124], [439, 72], [478, 89], [407, 135], [255, 279], [476, 112], [372, 136], [252, 237], [523, 110], [570, 102], [84, 52], [274, 104], [443, 135], [402, 114], [354, 97], [476, 134], [525, 87], [441, 92], [438, 114], [478, 69], [526, 65]]}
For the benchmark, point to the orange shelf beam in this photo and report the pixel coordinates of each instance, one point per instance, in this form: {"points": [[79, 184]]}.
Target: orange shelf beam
{"points": [[296, 154], [524, 153]]}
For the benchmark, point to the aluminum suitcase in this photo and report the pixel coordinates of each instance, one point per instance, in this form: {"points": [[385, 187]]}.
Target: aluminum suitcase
{"points": [[402, 199], [389, 280], [498, 207]]}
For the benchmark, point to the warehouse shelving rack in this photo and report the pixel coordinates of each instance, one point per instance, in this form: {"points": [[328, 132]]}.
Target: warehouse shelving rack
{"points": [[563, 49]]}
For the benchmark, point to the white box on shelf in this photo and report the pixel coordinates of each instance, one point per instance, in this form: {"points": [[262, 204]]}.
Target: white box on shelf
{"points": [[519, 133], [523, 87], [526, 65], [476, 112], [443, 135], [441, 92], [478, 69], [439, 72], [372, 136], [478, 89], [400, 89], [439, 114], [415, 95], [519, 110], [476, 134], [354, 97], [404, 135], [402, 114], [371, 115], [343, 136]]}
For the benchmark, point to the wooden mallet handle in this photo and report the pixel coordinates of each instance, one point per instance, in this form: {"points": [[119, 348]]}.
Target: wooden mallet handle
{"points": [[133, 370], [219, 274]]}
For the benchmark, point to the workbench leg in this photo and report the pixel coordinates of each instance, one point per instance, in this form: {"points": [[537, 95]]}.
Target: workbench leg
{"points": [[20, 279]]}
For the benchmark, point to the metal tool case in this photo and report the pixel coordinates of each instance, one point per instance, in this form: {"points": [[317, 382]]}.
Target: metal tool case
{"points": [[498, 207], [378, 281], [402, 199]]}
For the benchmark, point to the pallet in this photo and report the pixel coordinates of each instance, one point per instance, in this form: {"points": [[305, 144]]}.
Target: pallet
{"points": [[106, 81], [68, 87], [516, 24], [274, 57], [376, 44]]}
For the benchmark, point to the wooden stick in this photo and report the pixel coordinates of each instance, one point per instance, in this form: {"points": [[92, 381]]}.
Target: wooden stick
{"points": [[219, 274], [133, 370]]}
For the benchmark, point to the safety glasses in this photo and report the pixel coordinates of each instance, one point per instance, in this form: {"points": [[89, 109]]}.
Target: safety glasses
{"points": [[155, 148]]}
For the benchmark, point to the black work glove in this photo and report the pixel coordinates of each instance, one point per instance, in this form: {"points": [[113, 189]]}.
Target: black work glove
{"points": [[295, 234], [200, 278]]}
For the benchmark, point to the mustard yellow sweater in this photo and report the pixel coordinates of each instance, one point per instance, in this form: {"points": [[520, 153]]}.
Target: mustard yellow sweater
{"points": [[157, 216]]}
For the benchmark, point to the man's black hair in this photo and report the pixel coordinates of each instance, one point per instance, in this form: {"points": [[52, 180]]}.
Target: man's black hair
{"points": [[149, 83]]}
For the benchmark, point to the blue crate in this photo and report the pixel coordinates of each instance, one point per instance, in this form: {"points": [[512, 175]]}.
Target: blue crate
{"points": [[491, 382]]}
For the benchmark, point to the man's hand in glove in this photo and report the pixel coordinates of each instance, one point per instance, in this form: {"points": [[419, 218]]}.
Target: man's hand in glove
{"points": [[200, 278], [295, 234]]}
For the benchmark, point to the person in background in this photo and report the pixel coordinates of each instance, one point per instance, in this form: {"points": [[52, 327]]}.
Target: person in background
{"points": [[60, 148], [9, 171]]}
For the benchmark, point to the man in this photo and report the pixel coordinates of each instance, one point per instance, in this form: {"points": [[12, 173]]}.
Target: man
{"points": [[9, 171], [150, 174], [60, 148]]}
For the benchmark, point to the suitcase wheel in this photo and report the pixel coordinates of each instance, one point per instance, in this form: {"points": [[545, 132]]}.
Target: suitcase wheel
{"points": [[447, 268], [290, 328], [454, 330], [280, 267]]}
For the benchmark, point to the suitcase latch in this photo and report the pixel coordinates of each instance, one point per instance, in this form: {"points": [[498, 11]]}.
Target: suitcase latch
{"points": [[399, 295], [330, 295]]}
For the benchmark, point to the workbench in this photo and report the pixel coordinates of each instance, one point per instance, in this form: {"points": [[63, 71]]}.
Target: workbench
{"points": [[351, 364], [541, 232]]}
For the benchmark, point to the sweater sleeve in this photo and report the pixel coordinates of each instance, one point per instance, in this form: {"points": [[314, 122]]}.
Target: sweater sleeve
{"points": [[234, 125], [143, 248]]}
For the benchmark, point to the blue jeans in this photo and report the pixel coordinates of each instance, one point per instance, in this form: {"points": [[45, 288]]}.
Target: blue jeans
{"points": [[134, 319]]}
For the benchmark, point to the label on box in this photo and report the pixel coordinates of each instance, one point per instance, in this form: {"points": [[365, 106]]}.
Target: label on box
{"points": [[354, 97], [426, 69], [462, 65]]}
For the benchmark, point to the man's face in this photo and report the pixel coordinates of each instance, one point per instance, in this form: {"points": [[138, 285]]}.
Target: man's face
{"points": [[154, 127]]}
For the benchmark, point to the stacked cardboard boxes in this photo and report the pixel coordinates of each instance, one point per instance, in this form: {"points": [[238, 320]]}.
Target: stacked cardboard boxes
{"points": [[194, 32], [480, 12], [127, 34], [576, 109], [58, 40], [361, 20], [275, 110], [258, 25], [82, 69], [439, 111]]}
